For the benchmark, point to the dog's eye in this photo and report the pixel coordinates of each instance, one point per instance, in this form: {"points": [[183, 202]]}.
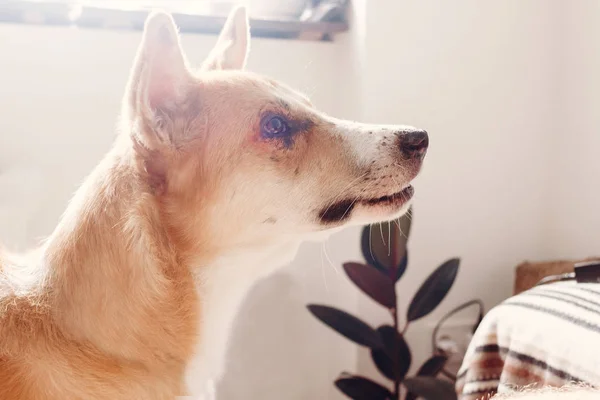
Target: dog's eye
{"points": [[274, 126]]}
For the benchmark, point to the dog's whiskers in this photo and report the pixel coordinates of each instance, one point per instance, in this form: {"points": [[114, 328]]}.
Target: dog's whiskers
{"points": [[337, 271], [371, 240], [389, 239], [343, 191], [323, 272], [349, 208], [400, 229], [381, 231]]}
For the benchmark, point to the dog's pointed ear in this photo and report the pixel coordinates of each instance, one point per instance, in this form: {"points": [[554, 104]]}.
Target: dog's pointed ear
{"points": [[233, 44], [160, 77]]}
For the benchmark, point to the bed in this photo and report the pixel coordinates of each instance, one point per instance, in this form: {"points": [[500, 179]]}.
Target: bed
{"points": [[547, 335]]}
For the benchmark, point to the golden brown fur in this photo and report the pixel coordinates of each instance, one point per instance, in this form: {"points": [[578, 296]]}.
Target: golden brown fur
{"points": [[108, 313]]}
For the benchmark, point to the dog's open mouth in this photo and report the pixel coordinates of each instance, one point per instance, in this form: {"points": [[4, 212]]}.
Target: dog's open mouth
{"points": [[341, 210], [398, 197]]}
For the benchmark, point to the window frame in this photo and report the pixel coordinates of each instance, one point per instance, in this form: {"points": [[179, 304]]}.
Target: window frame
{"points": [[64, 14]]}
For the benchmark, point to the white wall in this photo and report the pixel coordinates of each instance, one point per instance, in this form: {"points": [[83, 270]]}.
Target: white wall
{"points": [[575, 185], [509, 155], [480, 78]]}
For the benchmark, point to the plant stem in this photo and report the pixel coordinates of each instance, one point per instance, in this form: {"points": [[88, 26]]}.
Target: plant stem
{"points": [[405, 328]]}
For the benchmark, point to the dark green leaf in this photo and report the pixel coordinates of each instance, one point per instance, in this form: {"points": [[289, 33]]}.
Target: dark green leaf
{"points": [[384, 245], [405, 223], [402, 266], [347, 325], [373, 283], [359, 388], [384, 363], [433, 290], [394, 360], [430, 388], [367, 246], [433, 366]]}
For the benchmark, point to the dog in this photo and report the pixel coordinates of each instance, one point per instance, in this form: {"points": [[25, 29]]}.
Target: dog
{"points": [[215, 178]]}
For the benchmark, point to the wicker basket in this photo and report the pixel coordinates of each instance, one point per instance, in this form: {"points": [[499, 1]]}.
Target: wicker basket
{"points": [[528, 274]]}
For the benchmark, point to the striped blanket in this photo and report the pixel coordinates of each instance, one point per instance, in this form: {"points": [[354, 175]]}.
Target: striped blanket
{"points": [[549, 335]]}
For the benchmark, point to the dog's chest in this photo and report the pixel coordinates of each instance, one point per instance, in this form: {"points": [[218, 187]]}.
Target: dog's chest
{"points": [[222, 287]]}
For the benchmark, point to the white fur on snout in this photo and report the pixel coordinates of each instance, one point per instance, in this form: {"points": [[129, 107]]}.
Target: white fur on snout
{"points": [[371, 143]]}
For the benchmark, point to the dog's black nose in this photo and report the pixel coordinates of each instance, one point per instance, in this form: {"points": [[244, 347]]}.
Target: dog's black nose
{"points": [[413, 144]]}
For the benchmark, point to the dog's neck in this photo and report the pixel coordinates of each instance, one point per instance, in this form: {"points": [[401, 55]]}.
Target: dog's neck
{"points": [[119, 284], [222, 288], [114, 281]]}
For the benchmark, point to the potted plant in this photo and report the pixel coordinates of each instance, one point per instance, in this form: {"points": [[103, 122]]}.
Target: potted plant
{"points": [[386, 262]]}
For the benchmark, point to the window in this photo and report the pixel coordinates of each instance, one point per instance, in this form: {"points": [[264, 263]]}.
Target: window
{"points": [[290, 19]]}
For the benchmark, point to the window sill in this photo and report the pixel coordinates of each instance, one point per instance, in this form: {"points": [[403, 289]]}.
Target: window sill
{"points": [[25, 12]]}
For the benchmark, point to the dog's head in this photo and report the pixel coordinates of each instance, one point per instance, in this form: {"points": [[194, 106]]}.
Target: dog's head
{"points": [[237, 158]]}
